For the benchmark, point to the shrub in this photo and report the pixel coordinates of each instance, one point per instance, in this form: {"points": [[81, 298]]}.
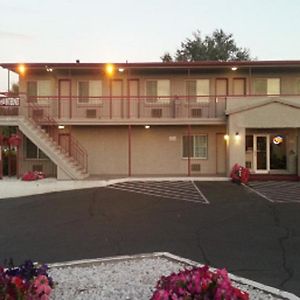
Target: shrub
{"points": [[198, 283], [25, 282]]}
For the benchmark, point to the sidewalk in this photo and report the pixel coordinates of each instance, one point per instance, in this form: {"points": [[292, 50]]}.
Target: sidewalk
{"points": [[13, 187]]}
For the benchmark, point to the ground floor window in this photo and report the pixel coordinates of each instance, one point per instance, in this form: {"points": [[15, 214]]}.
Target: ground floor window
{"points": [[33, 152], [196, 144]]}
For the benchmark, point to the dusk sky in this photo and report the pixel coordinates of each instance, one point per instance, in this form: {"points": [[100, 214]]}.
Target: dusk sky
{"points": [[138, 30]]}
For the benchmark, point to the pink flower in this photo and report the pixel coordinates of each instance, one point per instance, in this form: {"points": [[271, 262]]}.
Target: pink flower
{"points": [[41, 283]]}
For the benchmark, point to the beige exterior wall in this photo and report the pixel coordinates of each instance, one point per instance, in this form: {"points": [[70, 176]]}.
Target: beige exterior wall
{"points": [[158, 151], [154, 151], [46, 165], [289, 81], [271, 118]]}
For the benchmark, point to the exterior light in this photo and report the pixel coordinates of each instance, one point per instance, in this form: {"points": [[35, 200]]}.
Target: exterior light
{"points": [[237, 136], [22, 69], [48, 69], [147, 126], [109, 69], [61, 127], [121, 70], [226, 137], [277, 140], [234, 68]]}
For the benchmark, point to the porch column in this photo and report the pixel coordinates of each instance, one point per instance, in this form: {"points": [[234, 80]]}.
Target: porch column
{"points": [[189, 149], [236, 144], [129, 150]]}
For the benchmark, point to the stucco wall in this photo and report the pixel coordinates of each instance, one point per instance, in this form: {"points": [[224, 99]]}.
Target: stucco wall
{"points": [[274, 117], [154, 151]]}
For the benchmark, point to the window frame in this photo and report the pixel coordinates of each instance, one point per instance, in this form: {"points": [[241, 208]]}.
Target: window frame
{"points": [[266, 80], [90, 101], [204, 98], [166, 98], [193, 136], [38, 152], [38, 84]]}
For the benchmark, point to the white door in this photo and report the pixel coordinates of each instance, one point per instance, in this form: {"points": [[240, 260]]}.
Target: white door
{"points": [[261, 153]]}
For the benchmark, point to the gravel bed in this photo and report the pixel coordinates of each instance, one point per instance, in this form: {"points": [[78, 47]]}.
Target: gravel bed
{"points": [[132, 279]]}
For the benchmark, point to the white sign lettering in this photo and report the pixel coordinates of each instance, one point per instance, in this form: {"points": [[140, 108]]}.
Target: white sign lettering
{"points": [[9, 101]]}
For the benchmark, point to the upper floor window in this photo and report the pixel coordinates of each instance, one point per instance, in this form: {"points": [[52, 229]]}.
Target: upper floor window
{"points": [[89, 92], [267, 86], [38, 91], [158, 91], [196, 144], [197, 90]]}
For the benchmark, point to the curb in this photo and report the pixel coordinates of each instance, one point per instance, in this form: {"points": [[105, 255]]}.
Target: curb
{"points": [[184, 261]]}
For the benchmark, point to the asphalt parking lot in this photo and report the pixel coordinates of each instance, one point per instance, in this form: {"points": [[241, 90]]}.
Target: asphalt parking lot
{"points": [[225, 225]]}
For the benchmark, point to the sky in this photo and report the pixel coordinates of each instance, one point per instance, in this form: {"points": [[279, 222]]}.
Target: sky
{"points": [[140, 30]]}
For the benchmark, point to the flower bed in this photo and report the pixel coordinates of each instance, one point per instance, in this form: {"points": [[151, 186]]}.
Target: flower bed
{"points": [[25, 282], [198, 283]]}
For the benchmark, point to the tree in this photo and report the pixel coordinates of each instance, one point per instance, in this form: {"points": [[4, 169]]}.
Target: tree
{"points": [[219, 47], [14, 89]]}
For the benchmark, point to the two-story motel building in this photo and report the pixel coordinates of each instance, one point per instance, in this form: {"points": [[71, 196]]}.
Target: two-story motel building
{"points": [[156, 119]]}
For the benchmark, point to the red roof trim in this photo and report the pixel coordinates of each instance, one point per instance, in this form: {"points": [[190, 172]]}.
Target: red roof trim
{"points": [[159, 65]]}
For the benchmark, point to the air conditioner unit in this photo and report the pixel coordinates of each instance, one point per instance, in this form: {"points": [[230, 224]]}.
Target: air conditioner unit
{"points": [[196, 112], [195, 167], [156, 112], [91, 113]]}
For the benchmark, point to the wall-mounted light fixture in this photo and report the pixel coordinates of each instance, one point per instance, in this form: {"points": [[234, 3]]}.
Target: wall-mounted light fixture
{"points": [[234, 68], [109, 69], [121, 70], [61, 127], [22, 69], [237, 136], [147, 126], [226, 137], [48, 69]]}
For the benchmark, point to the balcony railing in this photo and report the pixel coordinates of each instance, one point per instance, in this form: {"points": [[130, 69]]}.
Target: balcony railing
{"points": [[126, 108]]}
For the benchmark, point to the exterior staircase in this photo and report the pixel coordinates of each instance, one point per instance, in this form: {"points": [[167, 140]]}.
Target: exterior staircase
{"points": [[67, 166]]}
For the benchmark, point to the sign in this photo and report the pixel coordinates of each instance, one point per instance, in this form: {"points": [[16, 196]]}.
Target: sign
{"points": [[10, 101], [277, 140]]}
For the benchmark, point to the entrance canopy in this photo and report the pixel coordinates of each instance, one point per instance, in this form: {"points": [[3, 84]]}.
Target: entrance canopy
{"points": [[272, 113]]}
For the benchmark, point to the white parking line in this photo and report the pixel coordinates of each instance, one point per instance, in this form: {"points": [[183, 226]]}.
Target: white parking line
{"points": [[202, 195], [277, 191], [181, 191], [257, 192]]}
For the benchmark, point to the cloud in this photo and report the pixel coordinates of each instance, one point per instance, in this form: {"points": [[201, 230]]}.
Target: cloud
{"points": [[14, 35]]}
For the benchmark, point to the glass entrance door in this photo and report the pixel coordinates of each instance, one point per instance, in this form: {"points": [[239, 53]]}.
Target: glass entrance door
{"points": [[261, 153]]}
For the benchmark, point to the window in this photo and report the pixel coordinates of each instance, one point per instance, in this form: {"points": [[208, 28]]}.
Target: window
{"points": [[89, 91], [38, 88], [267, 86], [33, 152], [197, 144], [156, 89], [200, 88], [32, 91]]}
